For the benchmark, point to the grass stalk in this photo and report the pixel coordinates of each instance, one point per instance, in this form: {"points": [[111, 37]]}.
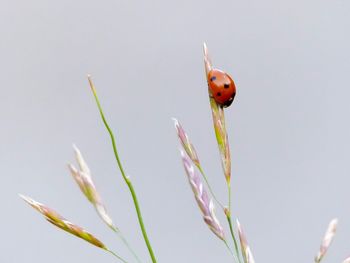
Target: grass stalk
{"points": [[125, 177]]}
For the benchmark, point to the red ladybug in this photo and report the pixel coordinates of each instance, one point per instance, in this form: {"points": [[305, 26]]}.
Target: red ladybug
{"points": [[221, 87]]}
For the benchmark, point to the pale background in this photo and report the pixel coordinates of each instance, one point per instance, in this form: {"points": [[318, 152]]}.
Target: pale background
{"points": [[289, 126]]}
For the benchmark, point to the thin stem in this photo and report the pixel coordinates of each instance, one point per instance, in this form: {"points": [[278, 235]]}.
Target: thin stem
{"points": [[228, 217], [229, 220], [117, 256], [209, 187], [220, 204], [234, 238], [126, 243], [229, 249], [125, 177]]}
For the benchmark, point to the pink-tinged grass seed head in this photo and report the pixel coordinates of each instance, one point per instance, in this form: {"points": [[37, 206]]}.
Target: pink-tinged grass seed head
{"points": [[186, 143], [56, 219], [219, 123], [327, 240], [82, 177], [204, 201], [221, 138], [207, 62], [347, 260], [246, 252]]}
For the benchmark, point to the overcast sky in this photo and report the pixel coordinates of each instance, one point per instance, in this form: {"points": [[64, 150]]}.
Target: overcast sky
{"points": [[288, 127]]}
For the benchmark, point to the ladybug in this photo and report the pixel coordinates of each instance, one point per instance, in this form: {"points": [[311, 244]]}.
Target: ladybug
{"points": [[221, 87]]}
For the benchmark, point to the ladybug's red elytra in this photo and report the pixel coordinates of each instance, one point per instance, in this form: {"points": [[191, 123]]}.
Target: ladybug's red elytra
{"points": [[221, 87]]}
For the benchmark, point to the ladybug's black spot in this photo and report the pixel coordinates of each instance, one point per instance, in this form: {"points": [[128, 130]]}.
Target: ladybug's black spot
{"points": [[226, 86], [219, 94], [213, 78]]}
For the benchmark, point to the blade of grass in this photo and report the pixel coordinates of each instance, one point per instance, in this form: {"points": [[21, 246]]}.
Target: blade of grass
{"points": [[125, 177]]}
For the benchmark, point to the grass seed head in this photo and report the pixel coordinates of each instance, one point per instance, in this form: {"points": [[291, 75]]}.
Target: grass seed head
{"points": [[82, 177], [186, 143], [246, 252], [204, 201], [327, 240], [219, 124], [56, 219]]}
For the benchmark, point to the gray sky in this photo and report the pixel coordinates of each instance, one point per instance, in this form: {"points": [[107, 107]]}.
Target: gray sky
{"points": [[288, 126]]}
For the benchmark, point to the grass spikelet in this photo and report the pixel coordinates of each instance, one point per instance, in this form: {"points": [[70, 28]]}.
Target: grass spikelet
{"points": [[186, 144], [219, 123], [56, 219], [246, 252], [83, 178], [327, 240], [204, 202]]}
